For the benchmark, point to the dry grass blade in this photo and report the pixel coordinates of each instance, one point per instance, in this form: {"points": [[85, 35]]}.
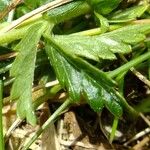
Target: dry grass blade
{"points": [[7, 56], [9, 8], [37, 11]]}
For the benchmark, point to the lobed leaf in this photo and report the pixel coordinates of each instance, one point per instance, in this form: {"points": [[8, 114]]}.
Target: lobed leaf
{"points": [[103, 46], [23, 71], [130, 34], [80, 84]]}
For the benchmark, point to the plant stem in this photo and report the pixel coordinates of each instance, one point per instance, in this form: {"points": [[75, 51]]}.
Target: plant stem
{"points": [[136, 73], [12, 36], [48, 122], [97, 31], [129, 65], [114, 128], [18, 33], [1, 118], [37, 11], [120, 81]]}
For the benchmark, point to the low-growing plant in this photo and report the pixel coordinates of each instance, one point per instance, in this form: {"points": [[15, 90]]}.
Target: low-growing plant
{"points": [[88, 46]]}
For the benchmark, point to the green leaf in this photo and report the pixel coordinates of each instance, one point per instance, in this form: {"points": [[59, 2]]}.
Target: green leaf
{"points": [[80, 85], [67, 11], [87, 67], [85, 46], [112, 102], [104, 6], [130, 13], [65, 73], [103, 22], [103, 46], [92, 92], [23, 71], [86, 78], [130, 34]]}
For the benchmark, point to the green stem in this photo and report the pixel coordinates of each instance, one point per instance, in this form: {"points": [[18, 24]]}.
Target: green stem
{"points": [[136, 73], [48, 122], [12, 35], [18, 33], [129, 65], [97, 31], [1, 118], [114, 128], [120, 81], [130, 110]]}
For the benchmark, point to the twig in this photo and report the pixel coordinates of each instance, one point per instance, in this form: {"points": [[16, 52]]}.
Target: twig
{"points": [[7, 56], [137, 136], [145, 119], [37, 11], [141, 143]]}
